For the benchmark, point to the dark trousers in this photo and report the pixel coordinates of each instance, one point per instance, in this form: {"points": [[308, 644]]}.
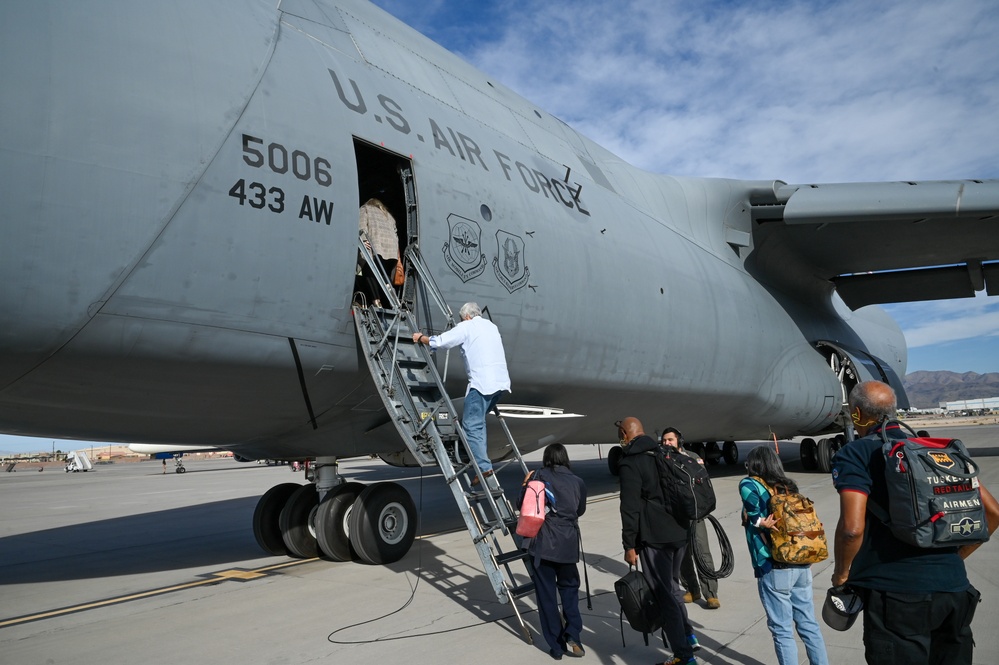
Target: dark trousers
{"points": [[919, 628], [375, 290], [661, 567], [696, 585], [554, 581]]}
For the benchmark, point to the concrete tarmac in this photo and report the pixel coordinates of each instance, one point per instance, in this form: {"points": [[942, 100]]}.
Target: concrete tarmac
{"points": [[125, 564]]}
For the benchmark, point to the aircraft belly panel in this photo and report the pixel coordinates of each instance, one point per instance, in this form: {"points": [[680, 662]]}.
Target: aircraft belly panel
{"points": [[178, 383]]}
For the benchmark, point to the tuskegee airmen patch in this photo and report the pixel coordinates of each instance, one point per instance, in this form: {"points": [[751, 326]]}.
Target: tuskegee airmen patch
{"points": [[943, 460]]}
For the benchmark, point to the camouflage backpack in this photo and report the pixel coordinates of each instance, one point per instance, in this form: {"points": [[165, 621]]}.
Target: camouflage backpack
{"points": [[798, 536]]}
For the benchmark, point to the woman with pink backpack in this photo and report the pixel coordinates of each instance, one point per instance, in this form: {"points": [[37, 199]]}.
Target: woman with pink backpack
{"points": [[555, 551]]}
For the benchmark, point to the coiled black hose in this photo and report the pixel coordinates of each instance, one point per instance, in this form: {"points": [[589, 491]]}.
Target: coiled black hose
{"points": [[727, 557]]}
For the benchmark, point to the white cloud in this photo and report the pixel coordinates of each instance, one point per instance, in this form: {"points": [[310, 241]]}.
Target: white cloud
{"points": [[939, 322], [799, 91]]}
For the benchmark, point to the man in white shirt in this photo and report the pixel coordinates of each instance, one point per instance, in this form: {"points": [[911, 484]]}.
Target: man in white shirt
{"points": [[485, 363]]}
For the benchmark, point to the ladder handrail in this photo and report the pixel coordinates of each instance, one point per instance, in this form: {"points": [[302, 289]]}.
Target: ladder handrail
{"points": [[415, 258]]}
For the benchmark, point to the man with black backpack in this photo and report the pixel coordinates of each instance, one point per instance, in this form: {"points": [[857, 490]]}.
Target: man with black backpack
{"points": [[650, 531], [918, 602]]}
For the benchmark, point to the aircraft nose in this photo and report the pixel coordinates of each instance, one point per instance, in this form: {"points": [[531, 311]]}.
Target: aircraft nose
{"points": [[88, 184]]}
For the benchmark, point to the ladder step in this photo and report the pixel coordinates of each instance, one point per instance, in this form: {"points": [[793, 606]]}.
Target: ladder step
{"points": [[479, 495], [514, 555], [422, 386], [522, 590]]}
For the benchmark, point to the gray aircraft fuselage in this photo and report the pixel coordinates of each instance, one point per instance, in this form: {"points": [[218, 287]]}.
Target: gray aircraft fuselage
{"points": [[178, 250]]}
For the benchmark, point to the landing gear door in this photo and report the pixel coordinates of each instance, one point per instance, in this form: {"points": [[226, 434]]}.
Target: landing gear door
{"points": [[854, 366]]}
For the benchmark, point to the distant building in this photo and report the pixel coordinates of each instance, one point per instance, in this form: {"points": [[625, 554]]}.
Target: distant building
{"points": [[980, 405]]}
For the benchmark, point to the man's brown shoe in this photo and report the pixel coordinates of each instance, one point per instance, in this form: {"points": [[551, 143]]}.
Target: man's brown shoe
{"points": [[485, 474], [712, 603], [691, 597]]}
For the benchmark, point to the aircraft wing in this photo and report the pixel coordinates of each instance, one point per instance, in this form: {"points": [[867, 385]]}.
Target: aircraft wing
{"points": [[880, 242]]}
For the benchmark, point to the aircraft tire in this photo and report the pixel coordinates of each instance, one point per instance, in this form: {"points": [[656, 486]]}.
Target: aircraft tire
{"points": [[332, 526], [383, 523], [807, 452], [297, 520], [730, 453], [711, 454], [267, 515], [614, 456], [823, 455]]}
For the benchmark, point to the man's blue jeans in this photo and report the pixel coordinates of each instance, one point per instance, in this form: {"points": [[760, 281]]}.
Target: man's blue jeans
{"points": [[473, 422], [787, 595]]}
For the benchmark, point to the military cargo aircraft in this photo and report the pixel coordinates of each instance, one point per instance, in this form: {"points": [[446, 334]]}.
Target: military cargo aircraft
{"points": [[179, 250]]}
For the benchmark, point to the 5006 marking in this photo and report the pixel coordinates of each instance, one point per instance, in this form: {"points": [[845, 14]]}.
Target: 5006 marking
{"points": [[278, 160]]}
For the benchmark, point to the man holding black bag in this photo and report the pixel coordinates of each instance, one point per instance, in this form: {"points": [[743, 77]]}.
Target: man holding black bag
{"points": [[650, 531]]}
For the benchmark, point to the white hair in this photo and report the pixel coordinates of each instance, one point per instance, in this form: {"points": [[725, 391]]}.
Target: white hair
{"points": [[469, 311]]}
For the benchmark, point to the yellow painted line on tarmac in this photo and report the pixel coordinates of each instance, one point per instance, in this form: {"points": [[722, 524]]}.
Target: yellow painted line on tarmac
{"points": [[237, 574]]}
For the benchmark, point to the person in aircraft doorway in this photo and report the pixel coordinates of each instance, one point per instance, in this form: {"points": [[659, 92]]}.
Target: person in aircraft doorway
{"points": [[381, 237], [485, 362]]}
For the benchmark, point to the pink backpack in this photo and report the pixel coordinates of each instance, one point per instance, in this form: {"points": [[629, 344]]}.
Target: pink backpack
{"points": [[532, 510]]}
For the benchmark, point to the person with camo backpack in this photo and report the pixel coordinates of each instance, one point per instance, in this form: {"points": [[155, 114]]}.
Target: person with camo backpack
{"points": [[785, 589]]}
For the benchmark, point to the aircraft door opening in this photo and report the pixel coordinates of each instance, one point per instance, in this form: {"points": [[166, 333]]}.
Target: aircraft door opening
{"points": [[386, 214]]}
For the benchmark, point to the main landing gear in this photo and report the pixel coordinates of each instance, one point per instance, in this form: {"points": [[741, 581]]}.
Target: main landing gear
{"points": [[711, 454], [340, 521], [817, 455], [708, 451]]}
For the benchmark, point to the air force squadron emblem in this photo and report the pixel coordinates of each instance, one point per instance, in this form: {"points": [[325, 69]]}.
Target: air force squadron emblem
{"points": [[463, 250], [509, 262], [942, 459]]}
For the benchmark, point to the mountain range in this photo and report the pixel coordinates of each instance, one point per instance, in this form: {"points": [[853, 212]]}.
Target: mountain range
{"points": [[927, 390]]}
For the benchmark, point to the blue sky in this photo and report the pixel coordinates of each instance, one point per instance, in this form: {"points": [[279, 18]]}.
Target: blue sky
{"points": [[797, 91]]}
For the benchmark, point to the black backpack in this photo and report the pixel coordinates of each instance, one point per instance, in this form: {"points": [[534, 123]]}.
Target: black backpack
{"points": [[685, 483], [638, 605]]}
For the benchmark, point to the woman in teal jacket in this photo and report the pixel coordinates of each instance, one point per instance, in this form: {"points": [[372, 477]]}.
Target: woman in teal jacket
{"points": [[785, 589]]}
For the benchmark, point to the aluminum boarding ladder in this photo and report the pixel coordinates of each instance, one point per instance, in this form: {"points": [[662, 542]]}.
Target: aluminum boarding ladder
{"points": [[416, 400]]}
